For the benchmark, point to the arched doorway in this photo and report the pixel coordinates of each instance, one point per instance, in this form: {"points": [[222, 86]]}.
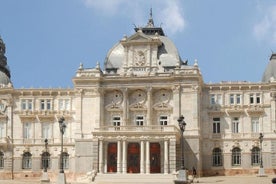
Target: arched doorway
{"points": [[155, 158], [133, 158], [112, 157]]}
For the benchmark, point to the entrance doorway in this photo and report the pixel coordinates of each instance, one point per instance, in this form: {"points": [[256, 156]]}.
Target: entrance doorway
{"points": [[133, 158], [155, 158], [112, 157]]}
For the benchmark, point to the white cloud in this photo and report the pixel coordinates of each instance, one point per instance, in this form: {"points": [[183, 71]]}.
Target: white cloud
{"points": [[265, 29], [169, 12]]}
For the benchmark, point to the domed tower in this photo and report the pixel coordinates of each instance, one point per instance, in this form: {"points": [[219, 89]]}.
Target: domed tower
{"points": [[4, 69], [147, 52], [269, 74]]}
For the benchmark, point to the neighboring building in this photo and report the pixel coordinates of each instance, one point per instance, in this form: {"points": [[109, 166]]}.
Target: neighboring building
{"points": [[123, 119]]}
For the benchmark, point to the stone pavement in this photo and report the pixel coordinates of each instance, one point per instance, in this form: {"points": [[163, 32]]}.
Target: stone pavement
{"points": [[203, 180]]}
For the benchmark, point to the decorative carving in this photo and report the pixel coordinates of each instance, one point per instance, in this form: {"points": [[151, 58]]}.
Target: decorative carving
{"points": [[139, 58]]}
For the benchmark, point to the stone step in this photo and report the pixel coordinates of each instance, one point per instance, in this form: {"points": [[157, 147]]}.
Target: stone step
{"points": [[134, 178]]}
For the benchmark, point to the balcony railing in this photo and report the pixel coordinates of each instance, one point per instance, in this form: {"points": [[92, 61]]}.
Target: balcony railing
{"points": [[148, 128]]}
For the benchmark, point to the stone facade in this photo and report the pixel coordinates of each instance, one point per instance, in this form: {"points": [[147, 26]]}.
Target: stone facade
{"points": [[123, 119]]}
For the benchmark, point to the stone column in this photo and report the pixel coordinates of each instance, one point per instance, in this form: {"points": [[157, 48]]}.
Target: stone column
{"points": [[147, 157], [142, 159], [166, 162], [149, 109], [119, 156], [125, 107], [101, 155], [124, 160]]}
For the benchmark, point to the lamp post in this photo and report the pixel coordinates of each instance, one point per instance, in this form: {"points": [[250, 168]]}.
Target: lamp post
{"points": [[45, 177], [182, 173], [62, 127], [261, 169], [46, 150]]}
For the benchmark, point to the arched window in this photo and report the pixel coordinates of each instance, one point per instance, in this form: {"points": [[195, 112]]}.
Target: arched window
{"points": [[1, 160], [65, 157], [45, 160], [236, 156], [27, 160], [255, 156], [217, 157]]}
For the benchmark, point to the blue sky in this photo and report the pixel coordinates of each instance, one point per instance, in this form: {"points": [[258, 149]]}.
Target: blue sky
{"points": [[47, 40]]}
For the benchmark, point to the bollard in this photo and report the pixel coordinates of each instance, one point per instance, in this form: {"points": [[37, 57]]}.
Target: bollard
{"points": [[273, 180]]}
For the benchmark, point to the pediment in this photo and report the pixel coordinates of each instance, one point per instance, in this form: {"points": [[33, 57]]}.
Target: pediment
{"points": [[139, 37]]}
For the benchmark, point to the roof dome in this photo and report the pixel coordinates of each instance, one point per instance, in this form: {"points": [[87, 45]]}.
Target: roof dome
{"points": [[4, 69], [270, 71], [148, 42]]}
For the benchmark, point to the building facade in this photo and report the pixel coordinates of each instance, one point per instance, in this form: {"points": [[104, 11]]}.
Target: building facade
{"points": [[123, 119]]}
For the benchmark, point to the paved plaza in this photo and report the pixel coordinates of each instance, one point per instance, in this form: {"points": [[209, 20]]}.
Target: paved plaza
{"points": [[202, 180]]}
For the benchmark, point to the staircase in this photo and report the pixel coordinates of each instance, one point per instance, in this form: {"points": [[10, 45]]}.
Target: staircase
{"points": [[134, 178]]}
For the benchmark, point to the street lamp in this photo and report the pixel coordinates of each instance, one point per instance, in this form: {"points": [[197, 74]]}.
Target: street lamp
{"points": [[45, 177], [182, 125], [45, 163], [182, 173], [62, 127], [261, 169]]}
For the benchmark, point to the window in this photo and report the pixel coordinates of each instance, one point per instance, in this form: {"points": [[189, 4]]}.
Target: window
{"points": [[65, 157], [46, 130], [255, 156], [64, 104], [235, 125], [45, 104], [2, 130], [26, 104], [1, 160], [255, 124], [45, 160], [163, 120], [232, 99], [216, 125], [236, 156], [27, 160], [27, 130], [255, 98], [258, 98], [216, 99], [238, 99], [217, 157], [139, 120], [235, 99], [116, 121]]}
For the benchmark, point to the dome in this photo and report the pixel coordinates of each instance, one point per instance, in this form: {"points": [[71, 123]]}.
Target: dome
{"points": [[270, 71], [167, 55]]}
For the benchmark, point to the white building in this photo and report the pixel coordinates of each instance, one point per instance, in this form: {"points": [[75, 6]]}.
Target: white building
{"points": [[123, 119]]}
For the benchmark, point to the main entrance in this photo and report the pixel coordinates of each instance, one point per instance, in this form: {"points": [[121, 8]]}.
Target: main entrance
{"points": [[133, 158], [112, 157], [155, 158]]}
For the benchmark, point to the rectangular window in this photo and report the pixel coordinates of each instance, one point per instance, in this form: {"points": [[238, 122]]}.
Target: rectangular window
{"points": [[163, 120], [238, 99], [45, 104], [2, 130], [26, 130], [46, 130], [255, 124], [235, 125], [216, 125], [139, 120], [232, 99], [251, 98], [258, 98], [213, 99], [64, 104], [26, 104], [116, 121]]}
